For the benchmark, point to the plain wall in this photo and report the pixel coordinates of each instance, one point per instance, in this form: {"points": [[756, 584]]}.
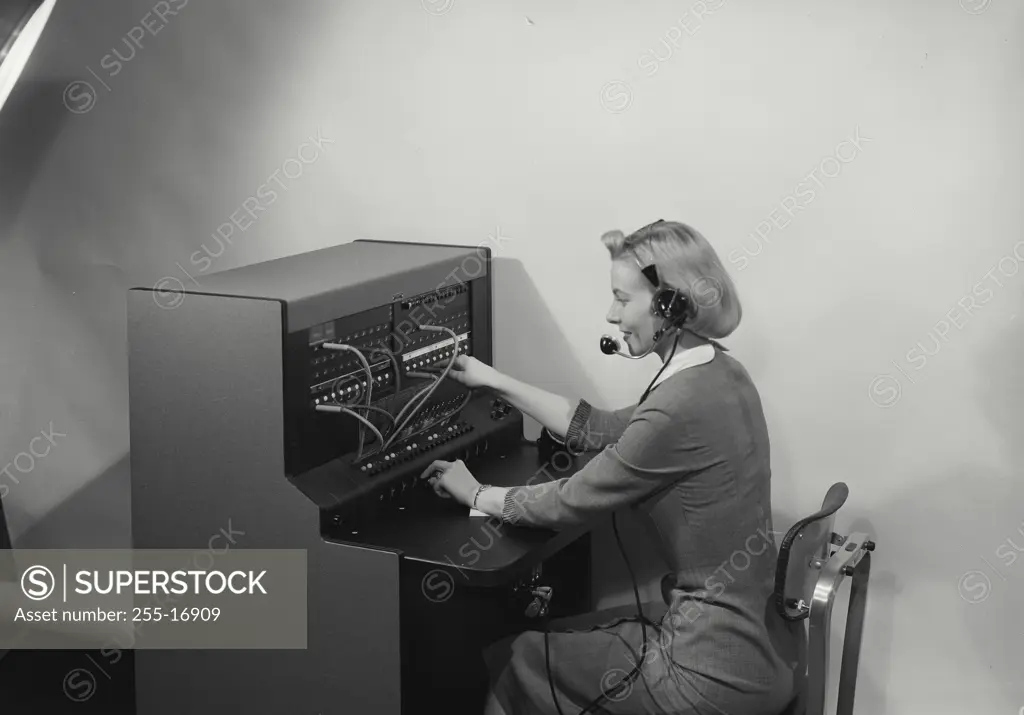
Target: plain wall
{"points": [[857, 166]]}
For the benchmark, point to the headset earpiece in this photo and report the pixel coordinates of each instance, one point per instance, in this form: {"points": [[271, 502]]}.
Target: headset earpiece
{"points": [[668, 303], [671, 304]]}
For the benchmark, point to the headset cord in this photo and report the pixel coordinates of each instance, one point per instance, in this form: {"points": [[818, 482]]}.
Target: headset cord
{"points": [[675, 344], [547, 665], [629, 679], [635, 673]]}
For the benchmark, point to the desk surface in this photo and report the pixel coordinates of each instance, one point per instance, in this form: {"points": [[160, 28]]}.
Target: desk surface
{"points": [[484, 550]]}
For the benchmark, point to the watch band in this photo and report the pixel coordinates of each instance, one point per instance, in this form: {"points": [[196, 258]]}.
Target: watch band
{"points": [[478, 490]]}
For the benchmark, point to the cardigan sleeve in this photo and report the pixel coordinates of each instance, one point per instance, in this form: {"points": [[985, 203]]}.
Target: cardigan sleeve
{"points": [[652, 453], [591, 429]]}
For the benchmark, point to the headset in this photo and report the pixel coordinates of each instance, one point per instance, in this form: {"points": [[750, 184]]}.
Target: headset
{"points": [[672, 305]]}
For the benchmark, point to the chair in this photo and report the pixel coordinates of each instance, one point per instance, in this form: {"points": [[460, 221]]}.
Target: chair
{"points": [[813, 562]]}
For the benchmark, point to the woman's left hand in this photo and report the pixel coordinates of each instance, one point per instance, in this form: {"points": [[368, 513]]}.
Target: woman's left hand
{"points": [[452, 480]]}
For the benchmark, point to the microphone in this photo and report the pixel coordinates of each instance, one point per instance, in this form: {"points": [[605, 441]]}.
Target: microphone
{"points": [[610, 346]]}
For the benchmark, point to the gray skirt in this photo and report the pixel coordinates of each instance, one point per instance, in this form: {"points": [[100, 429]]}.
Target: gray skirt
{"points": [[591, 656]]}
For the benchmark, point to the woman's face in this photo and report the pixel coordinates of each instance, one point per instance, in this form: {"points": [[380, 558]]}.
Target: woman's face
{"points": [[631, 306]]}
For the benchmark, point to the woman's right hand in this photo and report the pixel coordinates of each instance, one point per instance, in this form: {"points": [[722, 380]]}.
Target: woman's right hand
{"points": [[472, 373]]}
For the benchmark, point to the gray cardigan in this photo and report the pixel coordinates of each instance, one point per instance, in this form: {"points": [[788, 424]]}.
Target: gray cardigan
{"points": [[694, 460]]}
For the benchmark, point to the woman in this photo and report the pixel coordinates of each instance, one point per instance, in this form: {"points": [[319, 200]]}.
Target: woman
{"points": [[692, 457]]}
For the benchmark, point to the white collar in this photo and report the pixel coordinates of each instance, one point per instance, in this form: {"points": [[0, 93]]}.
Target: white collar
{"points": [[687, 358]]}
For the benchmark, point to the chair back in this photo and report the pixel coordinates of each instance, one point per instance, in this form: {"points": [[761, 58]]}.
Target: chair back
{"points": [[813, 561]]}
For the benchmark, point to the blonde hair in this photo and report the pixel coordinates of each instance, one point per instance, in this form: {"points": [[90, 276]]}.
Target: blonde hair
{"points": [[685, 261]]}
